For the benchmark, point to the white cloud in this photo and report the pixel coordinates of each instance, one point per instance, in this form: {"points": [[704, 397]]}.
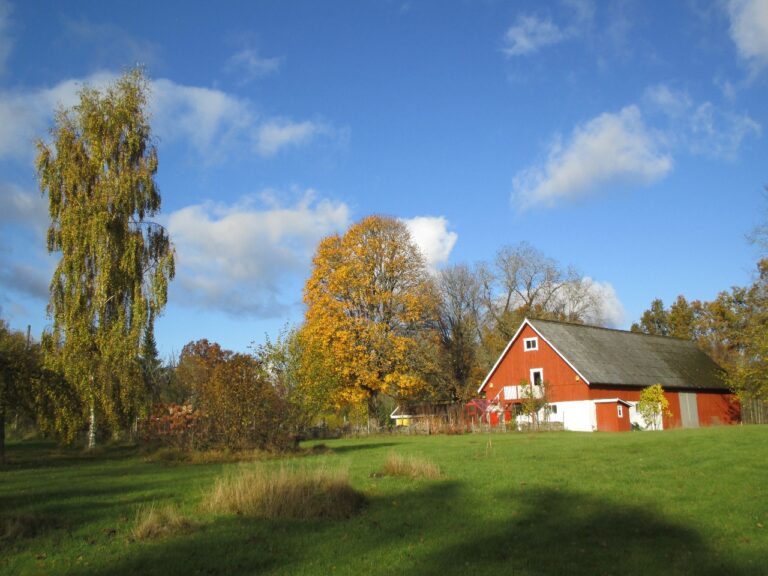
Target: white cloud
{"points": [[529, 34], [611, 149], [612, 311], [238, 258], [671, 102], [249, 65], [274, 135], [718, 133], [25, 266], [214, 123], [431, 235], [211, 120], [23, 208], [700, 128], [25, 116], [749, 30], [6, 43]]}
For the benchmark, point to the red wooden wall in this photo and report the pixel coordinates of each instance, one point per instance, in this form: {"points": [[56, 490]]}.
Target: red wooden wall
{"points": [[565, 384]]}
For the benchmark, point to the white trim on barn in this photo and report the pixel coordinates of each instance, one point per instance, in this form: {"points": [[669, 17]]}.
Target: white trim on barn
{"points": [[535, 344], [525, 323]]}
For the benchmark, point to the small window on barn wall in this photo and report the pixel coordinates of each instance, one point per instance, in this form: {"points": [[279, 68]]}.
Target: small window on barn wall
{"points": [[531, 344], [620, 411], [537, 376]]}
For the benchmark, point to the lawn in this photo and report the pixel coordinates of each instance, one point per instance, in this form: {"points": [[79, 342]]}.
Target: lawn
{"points": [[676, 502]]}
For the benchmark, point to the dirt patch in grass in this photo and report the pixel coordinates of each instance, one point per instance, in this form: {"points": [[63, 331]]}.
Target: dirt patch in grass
{"points": [[303, 494], [154, 521], [410, 467]]}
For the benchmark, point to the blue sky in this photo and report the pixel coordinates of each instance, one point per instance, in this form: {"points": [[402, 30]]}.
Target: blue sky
{"points": [[627, 139]]}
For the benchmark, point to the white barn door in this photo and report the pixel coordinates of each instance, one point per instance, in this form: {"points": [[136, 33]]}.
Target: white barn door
{"points": [[689, 409]]}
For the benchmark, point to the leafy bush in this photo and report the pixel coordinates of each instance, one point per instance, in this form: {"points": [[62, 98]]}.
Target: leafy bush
{"points": [[653, 405], [173, 425]]}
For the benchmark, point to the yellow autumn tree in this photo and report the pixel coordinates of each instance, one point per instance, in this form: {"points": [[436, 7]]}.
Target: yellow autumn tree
{"points": [[370, 311]]}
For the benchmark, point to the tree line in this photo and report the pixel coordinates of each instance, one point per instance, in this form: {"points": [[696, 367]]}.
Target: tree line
{"points": [[732, 328], [380, 327]]}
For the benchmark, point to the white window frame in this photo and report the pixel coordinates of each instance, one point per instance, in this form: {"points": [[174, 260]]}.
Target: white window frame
{"points": [[620, 410], [541, 373], [532, 348]]}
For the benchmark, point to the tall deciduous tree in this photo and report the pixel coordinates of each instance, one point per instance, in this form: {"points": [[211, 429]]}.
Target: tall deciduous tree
{"points": [[678, 321], [98, 172], [370, 305], [749, 369], [523, 282], [654, 321], [459, 324], [297, 373]]}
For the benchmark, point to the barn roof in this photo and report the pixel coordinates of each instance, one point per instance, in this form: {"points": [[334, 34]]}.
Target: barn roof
{"points": [[606, 356]]}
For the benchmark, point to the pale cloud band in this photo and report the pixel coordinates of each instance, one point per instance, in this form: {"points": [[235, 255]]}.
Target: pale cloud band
{"points": [[249, 65], [531, 33], [212, 122], [240, 258], [622, 149]]}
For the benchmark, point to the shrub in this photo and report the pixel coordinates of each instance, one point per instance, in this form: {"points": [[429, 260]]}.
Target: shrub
{"points": [[653, 405], [154, 522], [410, 467], [284, 493], [172, 425]]}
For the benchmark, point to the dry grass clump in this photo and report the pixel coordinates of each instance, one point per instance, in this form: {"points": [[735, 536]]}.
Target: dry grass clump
{"points": [[410, 467], [176, 455], [16, 526], [286, 493], [156, 521]]}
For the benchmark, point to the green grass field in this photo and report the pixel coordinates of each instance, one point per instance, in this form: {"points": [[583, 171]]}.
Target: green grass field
{"points": [[678, 502]]}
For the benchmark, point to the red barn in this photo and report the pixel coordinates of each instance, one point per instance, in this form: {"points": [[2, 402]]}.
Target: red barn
{"points": [[594, 377]]}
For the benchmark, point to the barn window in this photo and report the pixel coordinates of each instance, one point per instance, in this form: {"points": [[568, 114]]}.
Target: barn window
{"points": [[531, 344], [620, 411], [537, 376], [553, 408]]}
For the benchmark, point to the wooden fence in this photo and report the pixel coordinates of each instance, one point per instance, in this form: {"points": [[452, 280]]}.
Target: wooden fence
{"points": [[754, 411]]}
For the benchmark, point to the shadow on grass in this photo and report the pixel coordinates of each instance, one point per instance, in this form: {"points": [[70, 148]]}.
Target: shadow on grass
{"points": [[31, 455], [356, 447], [433, 528]]}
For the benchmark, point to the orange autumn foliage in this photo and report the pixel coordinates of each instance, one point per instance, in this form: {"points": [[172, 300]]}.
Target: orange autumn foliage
{"points": [[370, 308]]}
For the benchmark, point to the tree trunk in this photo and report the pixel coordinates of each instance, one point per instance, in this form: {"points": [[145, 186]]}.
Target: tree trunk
{"points": [[92, 426]]}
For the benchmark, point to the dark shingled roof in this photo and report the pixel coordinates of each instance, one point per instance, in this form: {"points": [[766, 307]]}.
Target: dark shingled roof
{"points": [[605, 356]]}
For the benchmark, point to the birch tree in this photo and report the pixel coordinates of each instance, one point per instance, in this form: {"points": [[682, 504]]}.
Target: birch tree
{"points": [[98, 172]]}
